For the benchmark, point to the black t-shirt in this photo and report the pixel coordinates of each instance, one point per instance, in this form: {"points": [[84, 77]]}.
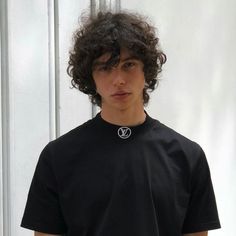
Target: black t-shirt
{"points": [[91, 182]]}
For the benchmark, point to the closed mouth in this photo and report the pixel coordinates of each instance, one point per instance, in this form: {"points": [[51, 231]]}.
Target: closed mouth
{"points": [[120, 94]]}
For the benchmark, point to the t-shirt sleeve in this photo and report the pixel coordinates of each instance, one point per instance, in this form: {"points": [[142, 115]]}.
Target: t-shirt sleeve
{"points": [[202, 214], [43, 211]]}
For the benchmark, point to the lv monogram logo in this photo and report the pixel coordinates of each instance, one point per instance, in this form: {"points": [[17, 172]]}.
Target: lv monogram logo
{"points": [[124, 132]]}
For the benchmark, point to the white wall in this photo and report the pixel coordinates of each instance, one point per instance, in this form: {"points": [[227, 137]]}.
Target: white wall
{"points": [[75, 107], [41, 105], [196, 95], [29, 98]]}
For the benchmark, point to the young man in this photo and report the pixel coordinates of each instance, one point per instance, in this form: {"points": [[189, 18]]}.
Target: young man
{"points": [[121, 173]]}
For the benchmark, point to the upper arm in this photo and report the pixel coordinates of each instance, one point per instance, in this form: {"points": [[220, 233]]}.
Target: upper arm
{"points": [[201, 214], [43, 208], [205, 233], [43, 234]]}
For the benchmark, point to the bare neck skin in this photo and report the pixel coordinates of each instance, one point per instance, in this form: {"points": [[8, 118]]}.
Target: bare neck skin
{"points": [[125, 117]]}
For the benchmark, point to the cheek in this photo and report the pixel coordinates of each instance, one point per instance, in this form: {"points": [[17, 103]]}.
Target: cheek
{"points": [[96, 81], [101, 87], [142, 82]]}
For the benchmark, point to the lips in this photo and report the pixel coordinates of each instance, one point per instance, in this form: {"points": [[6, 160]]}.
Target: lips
{"points": [[121, 94]]}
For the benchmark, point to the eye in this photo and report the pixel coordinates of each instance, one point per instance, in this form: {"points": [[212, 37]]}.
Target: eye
{"points": [[103, 68], [129, 64]]}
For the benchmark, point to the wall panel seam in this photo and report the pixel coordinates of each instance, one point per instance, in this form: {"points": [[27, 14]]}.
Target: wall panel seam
{"points": [[57, 67], [51, 67], [5, 134]]}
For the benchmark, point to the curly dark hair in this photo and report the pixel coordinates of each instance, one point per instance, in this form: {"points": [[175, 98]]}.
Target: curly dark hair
{"points": [[109, 32]]}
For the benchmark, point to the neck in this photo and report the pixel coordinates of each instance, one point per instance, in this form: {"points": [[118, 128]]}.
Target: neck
{"points": [[129, 117]]}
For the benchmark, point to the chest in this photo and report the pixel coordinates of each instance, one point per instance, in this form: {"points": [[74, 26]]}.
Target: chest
{"points": [[97, 175]]}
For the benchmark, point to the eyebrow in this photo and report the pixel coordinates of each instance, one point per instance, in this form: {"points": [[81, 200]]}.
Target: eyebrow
{"points": [[130, 58], [101, 63]]}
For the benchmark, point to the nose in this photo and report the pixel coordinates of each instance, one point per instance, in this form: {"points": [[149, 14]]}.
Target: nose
{"points": [[118, 78]]}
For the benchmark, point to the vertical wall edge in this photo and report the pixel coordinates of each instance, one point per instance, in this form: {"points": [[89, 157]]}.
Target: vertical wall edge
{"points": [[57, 68], [5, 197], [51, 67]]}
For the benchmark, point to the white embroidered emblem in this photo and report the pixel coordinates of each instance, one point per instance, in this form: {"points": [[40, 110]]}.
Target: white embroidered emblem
{"points": [[124, 132]]}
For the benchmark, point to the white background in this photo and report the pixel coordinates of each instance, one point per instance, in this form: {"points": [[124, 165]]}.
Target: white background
{"points": [[196, 96]]}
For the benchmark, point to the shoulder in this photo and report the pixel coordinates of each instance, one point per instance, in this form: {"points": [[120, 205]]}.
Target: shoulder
{"points": [[179, 147], [73, 139], [76, 135], [171, 136]]}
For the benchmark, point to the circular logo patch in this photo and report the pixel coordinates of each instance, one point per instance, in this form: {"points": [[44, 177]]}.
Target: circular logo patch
{"points": [[124, 132]]}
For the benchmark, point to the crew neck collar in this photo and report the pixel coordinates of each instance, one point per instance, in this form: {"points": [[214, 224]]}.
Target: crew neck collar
{"points": [[122, 132], [99, 117]]}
